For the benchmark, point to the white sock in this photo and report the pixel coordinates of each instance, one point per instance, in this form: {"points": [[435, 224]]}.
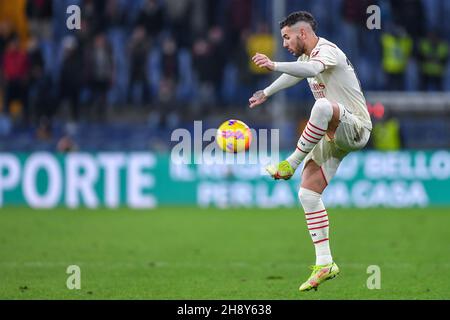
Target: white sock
{"points": [[321, 115], [317, 222]]}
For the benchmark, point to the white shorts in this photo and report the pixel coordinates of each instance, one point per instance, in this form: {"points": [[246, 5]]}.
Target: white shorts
{"points": [[351, 134]]}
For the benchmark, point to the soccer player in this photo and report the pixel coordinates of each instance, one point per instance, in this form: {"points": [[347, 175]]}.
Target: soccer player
{"points": [[339, 124]]}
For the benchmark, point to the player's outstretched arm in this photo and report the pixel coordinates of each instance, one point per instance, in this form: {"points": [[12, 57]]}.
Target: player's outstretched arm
{"points": [[304, 69], [300, 69], [282, 82]]}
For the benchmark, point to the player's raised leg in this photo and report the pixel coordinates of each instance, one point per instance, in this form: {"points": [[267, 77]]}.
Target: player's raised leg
{"points": [[310, 195], [324, 119]]}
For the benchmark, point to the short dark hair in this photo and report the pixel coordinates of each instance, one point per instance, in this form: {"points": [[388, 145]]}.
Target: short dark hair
{"points": [[298, 16]]}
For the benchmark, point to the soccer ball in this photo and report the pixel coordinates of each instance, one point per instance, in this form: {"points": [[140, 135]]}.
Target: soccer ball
{"points": [[233, 136]]}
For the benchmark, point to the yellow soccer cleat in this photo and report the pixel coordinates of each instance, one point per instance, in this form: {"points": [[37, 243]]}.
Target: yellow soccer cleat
{"points": [[283, 170], [320, 274]]}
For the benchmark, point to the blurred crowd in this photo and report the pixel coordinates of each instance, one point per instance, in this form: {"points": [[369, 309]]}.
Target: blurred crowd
{"points": [[164, 55]]}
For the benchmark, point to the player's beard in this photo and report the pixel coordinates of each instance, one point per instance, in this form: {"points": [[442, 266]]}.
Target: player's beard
{"points": [[299, 48]]}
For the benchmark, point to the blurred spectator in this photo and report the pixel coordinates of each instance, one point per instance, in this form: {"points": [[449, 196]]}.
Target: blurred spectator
{"points": [[169, 59], [219, 52], [66, 144], [260, 41], [179, 14], [209, 57], [386, 135], [397, 49], [84, 35], [114, 15], [100, 73], [14, 13], [353, 26], [39, 9], [36, 59], [433, 54], [198, 19], [165, 113], [6, 34], [5, 125], [37, 72], [138, 54], [44, 129], [244, 76], [214, 13], [239, 14], [151, 16], [39, 13], [44, 101], [168, 83], [410, 15], [70, 77], [203, 61], [94, 12], [16, 68]]}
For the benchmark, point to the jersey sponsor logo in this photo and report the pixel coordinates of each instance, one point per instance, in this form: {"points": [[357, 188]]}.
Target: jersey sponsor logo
{"points": [[317, 86], [317, 89]]}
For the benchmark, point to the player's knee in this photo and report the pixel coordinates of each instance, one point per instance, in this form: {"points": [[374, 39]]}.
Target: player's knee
{"points": [[307, 197], [323, 108]]}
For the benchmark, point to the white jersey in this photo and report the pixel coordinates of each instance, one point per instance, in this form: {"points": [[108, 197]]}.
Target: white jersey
{"points": [[338, 82]]}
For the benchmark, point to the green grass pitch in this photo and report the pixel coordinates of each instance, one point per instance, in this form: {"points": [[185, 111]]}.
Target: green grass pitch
{"points": [[191, 253]]}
